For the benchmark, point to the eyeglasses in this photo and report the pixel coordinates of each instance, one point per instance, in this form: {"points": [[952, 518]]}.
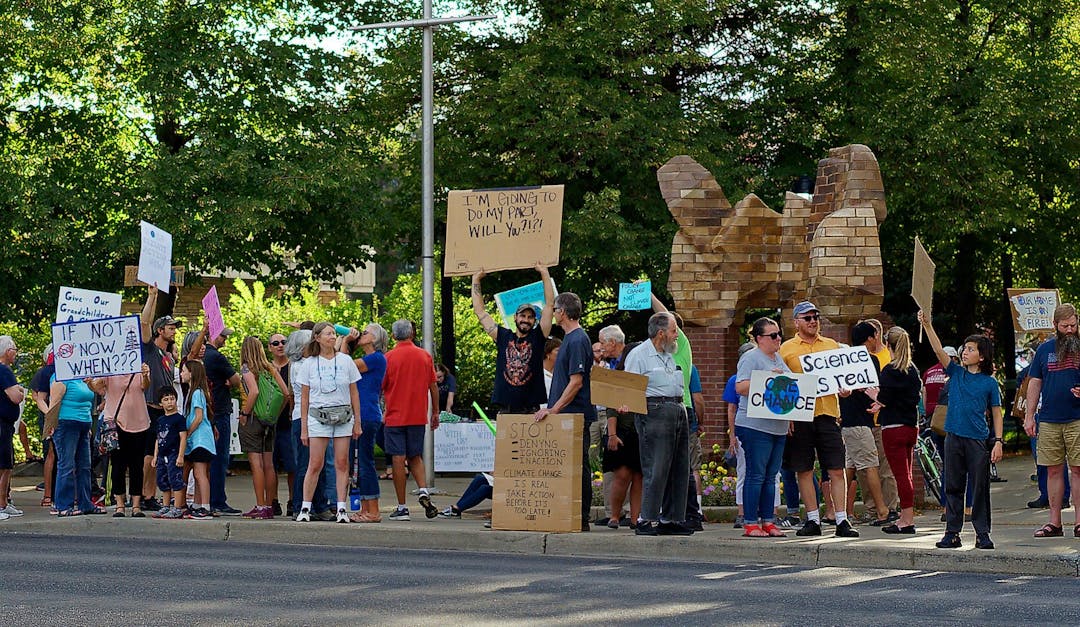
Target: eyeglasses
{"points": [[773, 336], [278, 343], [811, 318], [365, 332]]}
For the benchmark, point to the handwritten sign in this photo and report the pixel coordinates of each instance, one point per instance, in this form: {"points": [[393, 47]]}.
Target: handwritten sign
{"points": [[635, 297], [781, 396], [532, 294], [502, 229], [97, 348], [464, 447], [615, 388], [212, 307], [75, 305], [131, 276], [538, 473], [155, 256], [1033, 309], [842, 368], [922, 278]]}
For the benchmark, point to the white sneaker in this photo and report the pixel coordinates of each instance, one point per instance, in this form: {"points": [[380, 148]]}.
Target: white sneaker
{"points": [[304, 515], [12, 511], [342, 516], [4, 515]]}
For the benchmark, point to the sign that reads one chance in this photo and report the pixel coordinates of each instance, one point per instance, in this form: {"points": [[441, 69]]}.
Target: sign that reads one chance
{"points": [[75, 305], [97, 348], [464, 447], [784, 396], [502, 229], [842, 368]]}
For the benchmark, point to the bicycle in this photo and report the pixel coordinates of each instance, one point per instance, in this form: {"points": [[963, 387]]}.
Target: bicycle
{"points": [[930, 463]]}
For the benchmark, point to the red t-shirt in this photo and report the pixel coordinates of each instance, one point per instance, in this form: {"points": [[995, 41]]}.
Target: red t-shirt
{"points": [[933, 380], [407, 385]]}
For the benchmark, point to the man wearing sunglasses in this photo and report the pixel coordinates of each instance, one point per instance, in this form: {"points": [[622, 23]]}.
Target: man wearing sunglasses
{"points": [[821, 438]]}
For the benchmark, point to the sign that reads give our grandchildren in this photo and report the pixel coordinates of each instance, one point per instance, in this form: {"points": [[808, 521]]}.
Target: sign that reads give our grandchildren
{"points": [[840, 369], [97, 348], [502, 229], [781, 396]]}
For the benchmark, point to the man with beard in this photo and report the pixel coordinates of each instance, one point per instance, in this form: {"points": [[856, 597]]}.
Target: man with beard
{"points": [[662, 432], [158, 336], [519, 365], [1055, 374]]}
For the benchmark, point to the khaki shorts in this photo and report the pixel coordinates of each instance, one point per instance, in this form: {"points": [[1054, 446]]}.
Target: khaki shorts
{"points": [[1059, 442], [695, 453], [860, 448], [256, 437]]}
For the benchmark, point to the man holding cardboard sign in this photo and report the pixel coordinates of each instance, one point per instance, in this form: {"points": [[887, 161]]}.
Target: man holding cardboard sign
{"points": [[820, 438], [519, 365]]}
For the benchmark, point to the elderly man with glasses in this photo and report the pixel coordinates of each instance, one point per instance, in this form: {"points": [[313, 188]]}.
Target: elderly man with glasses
{"points": [[11, 397]]}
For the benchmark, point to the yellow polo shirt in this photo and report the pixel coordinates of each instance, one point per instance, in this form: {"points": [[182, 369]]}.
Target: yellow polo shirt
{"points": [[796, 347]]}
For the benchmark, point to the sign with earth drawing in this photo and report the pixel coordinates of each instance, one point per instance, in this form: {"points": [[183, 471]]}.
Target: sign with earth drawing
{"points": [[786, 396]]}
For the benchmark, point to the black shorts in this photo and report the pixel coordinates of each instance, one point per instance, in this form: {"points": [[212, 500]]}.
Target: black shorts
{"points": [[154, 413], [199, 456], [7, 445], [822, 438], [629, 454]]}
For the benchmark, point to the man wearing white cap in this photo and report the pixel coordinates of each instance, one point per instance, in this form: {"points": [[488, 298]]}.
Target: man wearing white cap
{"points": [[822, 437]]}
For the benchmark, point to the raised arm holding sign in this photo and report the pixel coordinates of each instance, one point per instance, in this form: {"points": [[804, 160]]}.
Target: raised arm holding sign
{"points": [[155, 256], [922, 280]]}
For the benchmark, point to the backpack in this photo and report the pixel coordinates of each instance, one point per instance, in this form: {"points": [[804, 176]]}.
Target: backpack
{"points": [[270, 400]]}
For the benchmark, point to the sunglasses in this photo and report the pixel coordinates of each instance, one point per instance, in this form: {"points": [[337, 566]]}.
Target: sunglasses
{"points": [[810, 318], [277, 343], [773, 336]]}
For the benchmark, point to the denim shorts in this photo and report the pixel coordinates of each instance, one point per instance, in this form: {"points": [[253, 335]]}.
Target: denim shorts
{"points": [[170, 477], [407, 441]]}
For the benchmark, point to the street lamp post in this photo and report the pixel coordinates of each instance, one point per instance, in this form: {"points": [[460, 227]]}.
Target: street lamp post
{"points": [[428, 23]]}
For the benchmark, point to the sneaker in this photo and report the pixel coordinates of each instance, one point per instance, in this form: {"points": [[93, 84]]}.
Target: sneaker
{"points": [[172, 514], [790, 521], [984, 542], [288, 510], [673, 529], [40, 487], [267, 513], [401, 513], [323, 516], [810, 528], [828, 521], [11, 510], [785, 523], [949, 541], [739, 520], [429, 508], [646, 528], [151, 505], [342, 516], [845, 530], [198, 514], [449, 513], [304, 515], [693, 524], [227, 511], [612, 523], [4, 515], [161, 513], [253, 512], [276, 508], [1039, 503]]}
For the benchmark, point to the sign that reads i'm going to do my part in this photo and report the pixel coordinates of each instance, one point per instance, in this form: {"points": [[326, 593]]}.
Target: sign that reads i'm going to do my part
{"points": [[97, 348], [841, 369]]}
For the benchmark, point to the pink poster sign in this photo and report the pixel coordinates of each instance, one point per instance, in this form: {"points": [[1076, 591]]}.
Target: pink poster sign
{"points": [[212, 308]]}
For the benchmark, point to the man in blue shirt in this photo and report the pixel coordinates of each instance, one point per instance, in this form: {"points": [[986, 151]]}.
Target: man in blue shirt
{"points": [[222, 378], [11, 396]]}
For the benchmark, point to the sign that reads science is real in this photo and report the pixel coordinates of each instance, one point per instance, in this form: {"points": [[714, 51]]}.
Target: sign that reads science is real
{"points": [[785, 396], [841, 369]]}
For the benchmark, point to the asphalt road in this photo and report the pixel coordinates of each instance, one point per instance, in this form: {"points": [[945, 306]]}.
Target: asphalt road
{"points": [[83, 580]]}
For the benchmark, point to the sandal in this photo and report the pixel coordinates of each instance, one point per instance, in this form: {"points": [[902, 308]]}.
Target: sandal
{"points": [[754, 531], [119, 513], [137, 513], [1049, 531], [64, 513], [46, 502], [386, 476], [773, 531], [98, 510]]}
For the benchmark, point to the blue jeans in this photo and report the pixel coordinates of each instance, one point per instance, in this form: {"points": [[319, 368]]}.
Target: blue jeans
{"points": [[475, 494], [219, 467], [764, 453], [72, 441], [319, 501], [791, 490], [665, 462], [284, 455], [367, 479]]}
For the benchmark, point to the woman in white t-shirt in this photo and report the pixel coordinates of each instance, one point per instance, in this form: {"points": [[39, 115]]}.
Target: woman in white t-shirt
{"points": [[329, 407]]}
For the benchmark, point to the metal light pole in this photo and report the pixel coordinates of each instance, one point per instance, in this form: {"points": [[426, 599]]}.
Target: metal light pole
{"points": [[427, 205]]}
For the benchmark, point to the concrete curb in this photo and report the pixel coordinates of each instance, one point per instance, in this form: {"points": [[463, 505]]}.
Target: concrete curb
{"points": [[713, 545]]}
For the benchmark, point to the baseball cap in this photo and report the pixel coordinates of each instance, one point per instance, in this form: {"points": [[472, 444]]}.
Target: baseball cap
{"points": [[950, 351], [164, 321], [226, 332], [805, 307], [527, 307]]}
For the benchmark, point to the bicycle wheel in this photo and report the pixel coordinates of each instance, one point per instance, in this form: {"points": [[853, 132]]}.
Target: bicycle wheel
{"points": [[931, 475]]}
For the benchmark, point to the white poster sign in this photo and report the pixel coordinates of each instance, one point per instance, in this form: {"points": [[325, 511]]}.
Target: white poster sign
{"points": [[784, 396], [76, 305], [97, 348], [842, 368], [464, 447], [155, 257]]}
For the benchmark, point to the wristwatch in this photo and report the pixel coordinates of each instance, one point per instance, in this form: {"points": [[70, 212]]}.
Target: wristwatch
{"points": [[998, 440]]}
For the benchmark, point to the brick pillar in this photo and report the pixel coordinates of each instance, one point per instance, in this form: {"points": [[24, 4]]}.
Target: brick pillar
{"points": [[716, 356]]}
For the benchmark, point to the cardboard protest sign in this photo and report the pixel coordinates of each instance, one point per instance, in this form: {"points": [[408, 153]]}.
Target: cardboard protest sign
{"points": [[538, 473], [75, 305], [234, 436], [155, 256], [212, 308], [131, 276], [842, 368], [1033, 309], [502, 229], [635, 297], [781, 396], [97, 348], [507, 302], [464, 447], [615, 388], [922, 278]]}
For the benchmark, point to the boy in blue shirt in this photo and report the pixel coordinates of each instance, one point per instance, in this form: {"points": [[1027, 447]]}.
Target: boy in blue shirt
{"points": [[169, 456], [972, 390]]}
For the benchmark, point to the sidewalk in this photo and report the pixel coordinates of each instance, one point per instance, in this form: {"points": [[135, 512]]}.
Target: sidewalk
{"points": [[1013, 524]]}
